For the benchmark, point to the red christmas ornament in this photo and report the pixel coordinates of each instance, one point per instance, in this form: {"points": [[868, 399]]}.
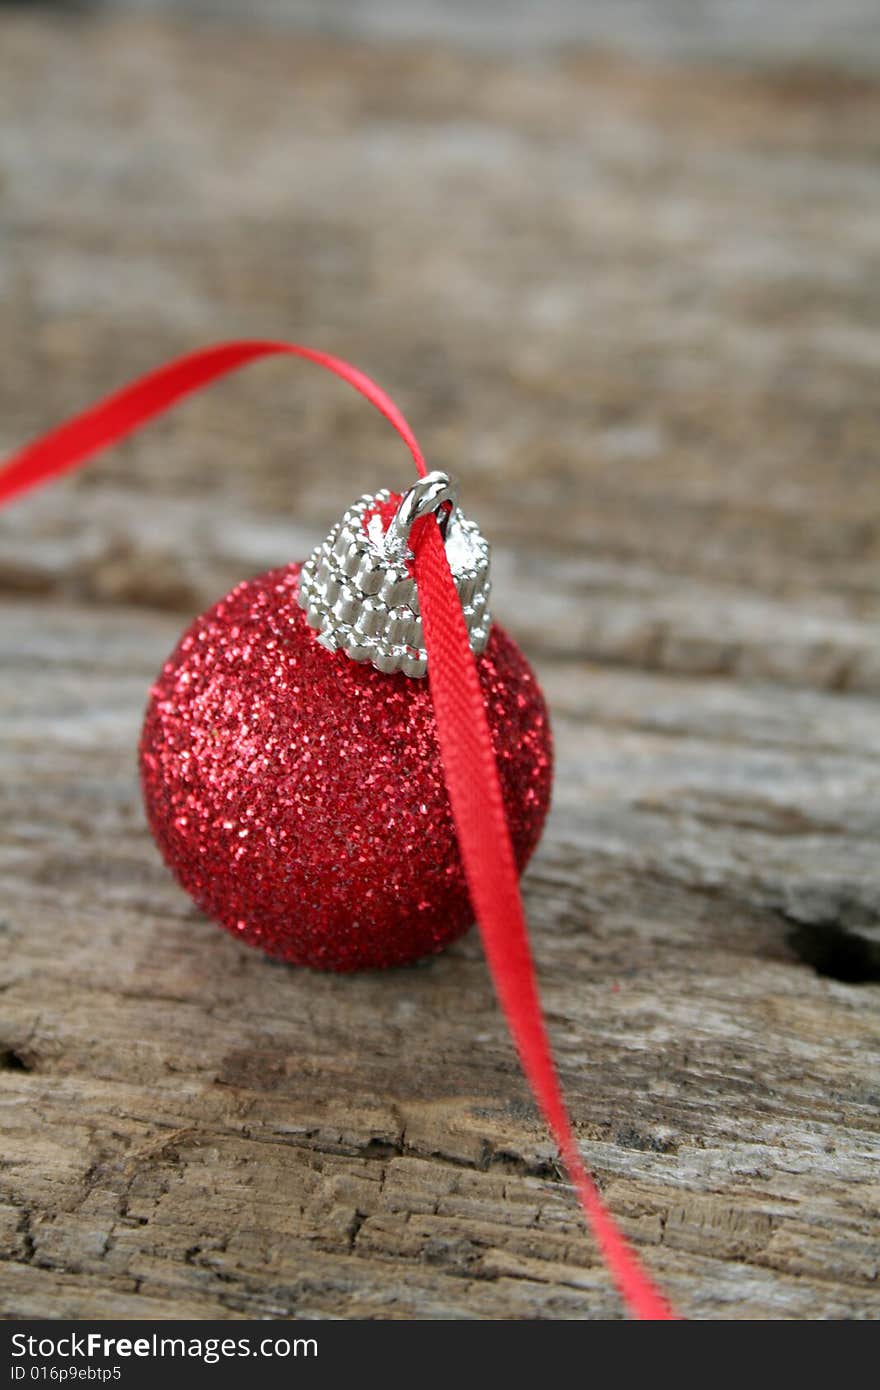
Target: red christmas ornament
{"points": [[291, 751], [299, 797]]}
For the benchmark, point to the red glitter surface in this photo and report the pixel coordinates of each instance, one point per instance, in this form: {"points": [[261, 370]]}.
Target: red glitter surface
{"points": [[298, 796]]}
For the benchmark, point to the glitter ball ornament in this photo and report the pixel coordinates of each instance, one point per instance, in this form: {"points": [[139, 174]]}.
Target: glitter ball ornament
{"points": [[291, 750], [298, 795]]}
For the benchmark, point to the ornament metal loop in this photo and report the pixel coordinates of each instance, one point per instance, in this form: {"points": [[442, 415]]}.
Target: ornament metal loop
{"points": [[357, 589], [437, 493]]}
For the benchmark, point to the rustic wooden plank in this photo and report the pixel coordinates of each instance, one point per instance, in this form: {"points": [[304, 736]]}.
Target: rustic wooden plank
{"points": [[622, 302]]}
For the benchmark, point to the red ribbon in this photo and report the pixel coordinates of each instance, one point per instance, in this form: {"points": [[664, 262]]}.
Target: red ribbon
{"points": [[469, 765]]}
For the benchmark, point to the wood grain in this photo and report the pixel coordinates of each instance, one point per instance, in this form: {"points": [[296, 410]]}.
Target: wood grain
{"points": [[635, 308]]}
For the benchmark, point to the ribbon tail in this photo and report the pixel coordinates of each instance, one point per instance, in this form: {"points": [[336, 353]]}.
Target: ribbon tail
{"points": [[120, 414], [474, 788]]}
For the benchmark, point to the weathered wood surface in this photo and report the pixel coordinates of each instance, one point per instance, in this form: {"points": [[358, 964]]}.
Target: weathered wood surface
{"points": [[637, 310]]}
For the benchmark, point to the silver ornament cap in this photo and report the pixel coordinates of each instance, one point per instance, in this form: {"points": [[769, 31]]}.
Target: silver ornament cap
{"points": [[359, 595]]}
